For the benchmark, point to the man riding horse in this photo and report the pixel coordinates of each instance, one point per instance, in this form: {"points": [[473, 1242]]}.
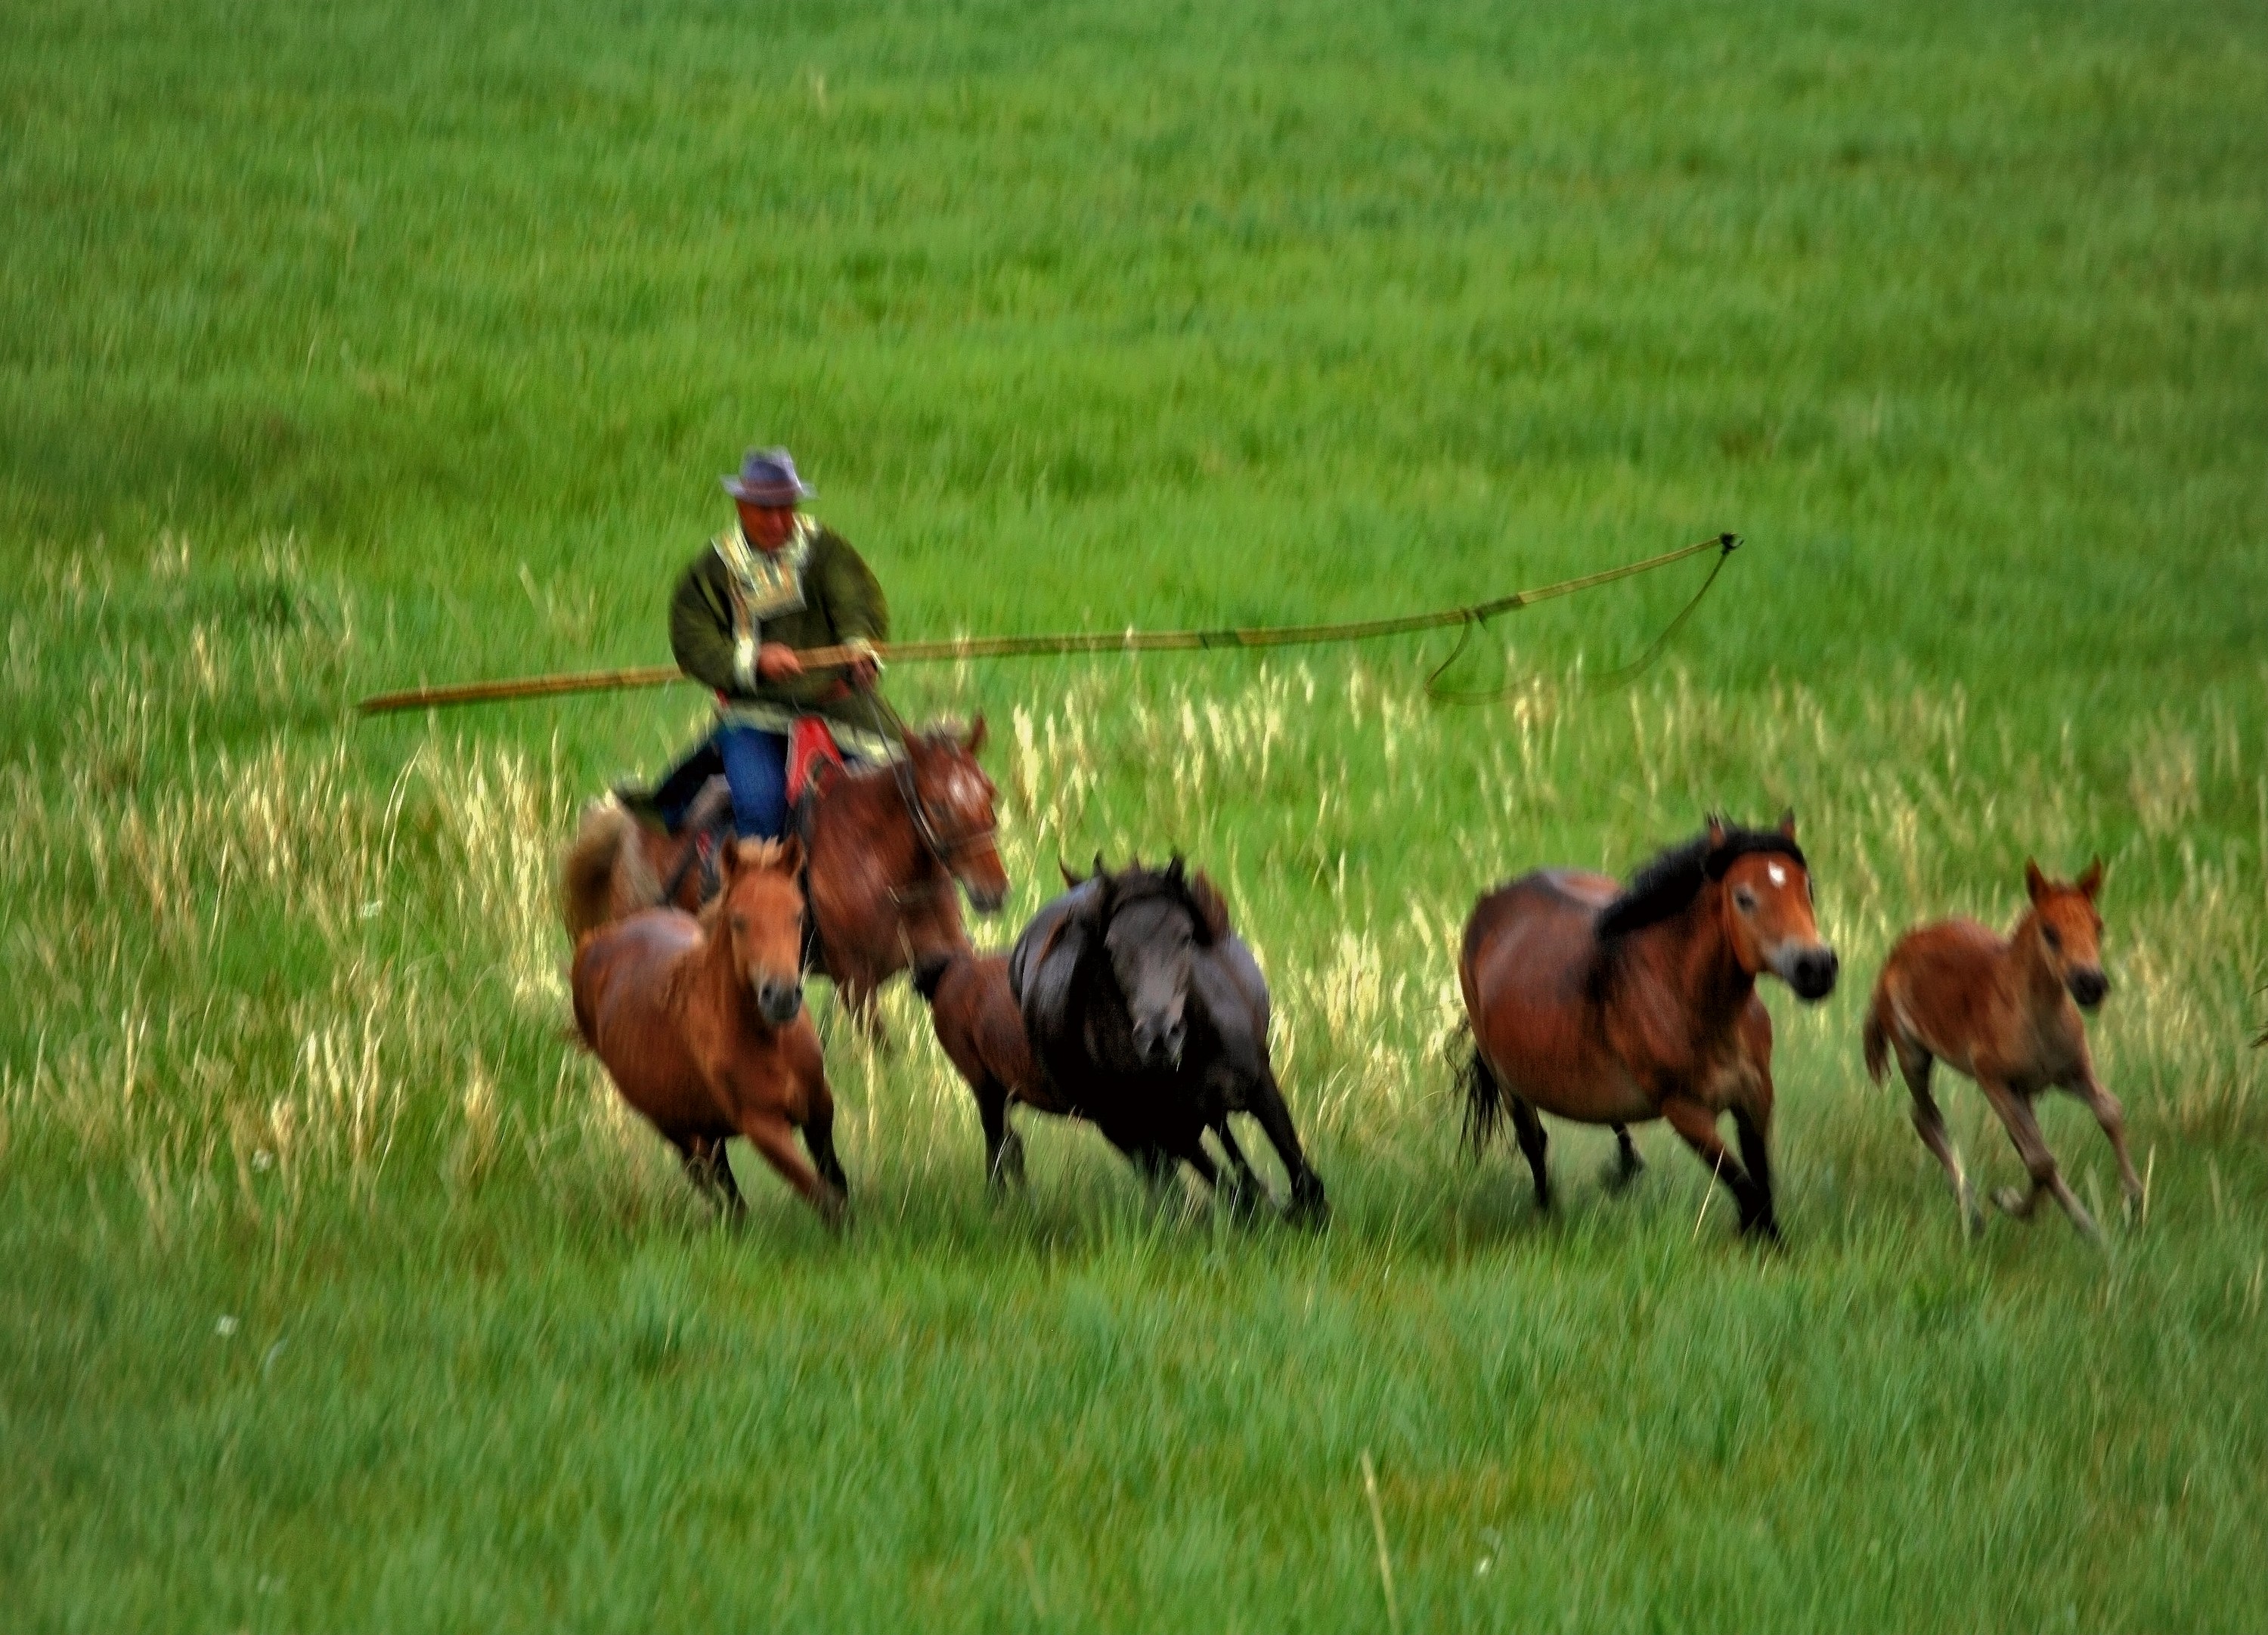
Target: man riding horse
{"points": [[774, 582], [886, 844]]}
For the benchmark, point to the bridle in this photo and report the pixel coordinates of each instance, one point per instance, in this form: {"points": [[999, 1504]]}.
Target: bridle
{"points": [[940, 846]]}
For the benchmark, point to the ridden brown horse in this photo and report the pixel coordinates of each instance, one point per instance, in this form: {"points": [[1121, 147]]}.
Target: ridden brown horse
{"points": [[1612, 1006], [2005, 1013], [701, 1024], [886, 846]]}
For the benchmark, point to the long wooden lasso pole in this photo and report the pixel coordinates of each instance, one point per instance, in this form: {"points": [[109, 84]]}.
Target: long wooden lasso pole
{"points": [[1038, 646]]}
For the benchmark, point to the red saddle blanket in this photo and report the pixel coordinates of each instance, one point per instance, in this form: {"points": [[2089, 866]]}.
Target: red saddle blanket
{"points": [[812, 742]]}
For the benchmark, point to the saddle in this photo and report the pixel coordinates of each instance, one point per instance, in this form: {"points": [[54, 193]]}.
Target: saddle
{"points": [[705, 818], [696, 791]]}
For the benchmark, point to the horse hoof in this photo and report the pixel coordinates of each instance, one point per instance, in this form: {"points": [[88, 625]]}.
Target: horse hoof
{"points": [[1620, 1177], [2012, 1201]]}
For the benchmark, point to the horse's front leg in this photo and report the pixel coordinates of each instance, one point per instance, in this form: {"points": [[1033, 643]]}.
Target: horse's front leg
{"points": [[1696, 1122], [818, 1134], [857, 991], [1753, 1125], [773, 1137], [1004, 1148], [1245, 1189], [1266, 1104], [2016, 1111], [2112, 1117]]}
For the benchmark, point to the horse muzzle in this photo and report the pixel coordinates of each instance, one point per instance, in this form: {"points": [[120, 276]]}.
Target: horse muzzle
{"points": [[777, 1002], [987, 899], [1811, 972], [1160, 1047], [2087, 985]]}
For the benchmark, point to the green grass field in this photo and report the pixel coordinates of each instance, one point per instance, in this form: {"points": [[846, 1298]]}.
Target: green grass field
{"points": [[345, 346]]}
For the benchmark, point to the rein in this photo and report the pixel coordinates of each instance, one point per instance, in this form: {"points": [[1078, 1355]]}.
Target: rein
{"points": [[889, 724]]}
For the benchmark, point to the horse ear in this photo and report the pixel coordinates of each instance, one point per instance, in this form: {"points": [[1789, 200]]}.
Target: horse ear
{"points": [[1212, 911], [975, 741], [1176, 871], [2091, 882], [1716, 831], [1788, 824], [791, 855], [2035, 884], [1070, 879]]}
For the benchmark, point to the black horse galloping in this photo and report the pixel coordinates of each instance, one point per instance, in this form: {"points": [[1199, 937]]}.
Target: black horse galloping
{"points": [[1149, 1016]]}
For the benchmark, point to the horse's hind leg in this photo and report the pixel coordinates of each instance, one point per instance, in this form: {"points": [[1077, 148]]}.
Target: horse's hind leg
{"points": [[710, 1171], [1627, 1165], [1699, 1126], [1528, 1125], [1929, 1123]]}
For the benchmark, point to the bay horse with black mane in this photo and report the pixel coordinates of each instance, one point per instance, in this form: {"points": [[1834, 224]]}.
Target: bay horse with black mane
{"points": [[2006, 1011], [701, 1024], [1147, 1015], [1607, 1005], [886, 847]]}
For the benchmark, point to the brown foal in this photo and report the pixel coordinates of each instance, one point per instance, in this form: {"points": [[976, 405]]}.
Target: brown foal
{"points": [[2006, 1011], [701, 1024]]}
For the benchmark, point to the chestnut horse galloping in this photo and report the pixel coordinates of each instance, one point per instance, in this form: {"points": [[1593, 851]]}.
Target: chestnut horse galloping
{"points": [[886, 845], [701, 1024], [2005, 1013], [1608, 1005]]}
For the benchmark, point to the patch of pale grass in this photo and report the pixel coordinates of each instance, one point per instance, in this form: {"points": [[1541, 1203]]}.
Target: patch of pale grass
{"points": [[1351, 824]]}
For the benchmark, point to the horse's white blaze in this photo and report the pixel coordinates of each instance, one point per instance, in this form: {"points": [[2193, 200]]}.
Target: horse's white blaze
{"points": [[1779, 874]]}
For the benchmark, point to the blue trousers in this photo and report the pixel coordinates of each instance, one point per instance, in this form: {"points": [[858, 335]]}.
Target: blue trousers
{"points": [[755, 766]]}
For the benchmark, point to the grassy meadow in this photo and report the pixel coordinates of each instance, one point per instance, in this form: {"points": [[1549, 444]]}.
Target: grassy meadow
{"points": [[345, 346]]}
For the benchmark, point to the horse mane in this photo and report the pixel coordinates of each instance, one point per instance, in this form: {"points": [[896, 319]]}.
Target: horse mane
{"points": [[1667, 885], [1192, 886], [606, 834], [751, 853]]}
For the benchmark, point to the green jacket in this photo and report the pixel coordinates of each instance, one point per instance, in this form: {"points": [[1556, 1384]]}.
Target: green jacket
{"points": [[817, 592]]}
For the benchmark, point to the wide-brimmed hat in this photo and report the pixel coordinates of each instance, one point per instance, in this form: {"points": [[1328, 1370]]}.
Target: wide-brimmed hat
{"points": [[767, 477]]}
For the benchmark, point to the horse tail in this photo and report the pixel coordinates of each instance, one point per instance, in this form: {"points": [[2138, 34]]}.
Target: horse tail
{"points": [[928, 971], [587, 868], [1876, 1034], [1484, 1101]]}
